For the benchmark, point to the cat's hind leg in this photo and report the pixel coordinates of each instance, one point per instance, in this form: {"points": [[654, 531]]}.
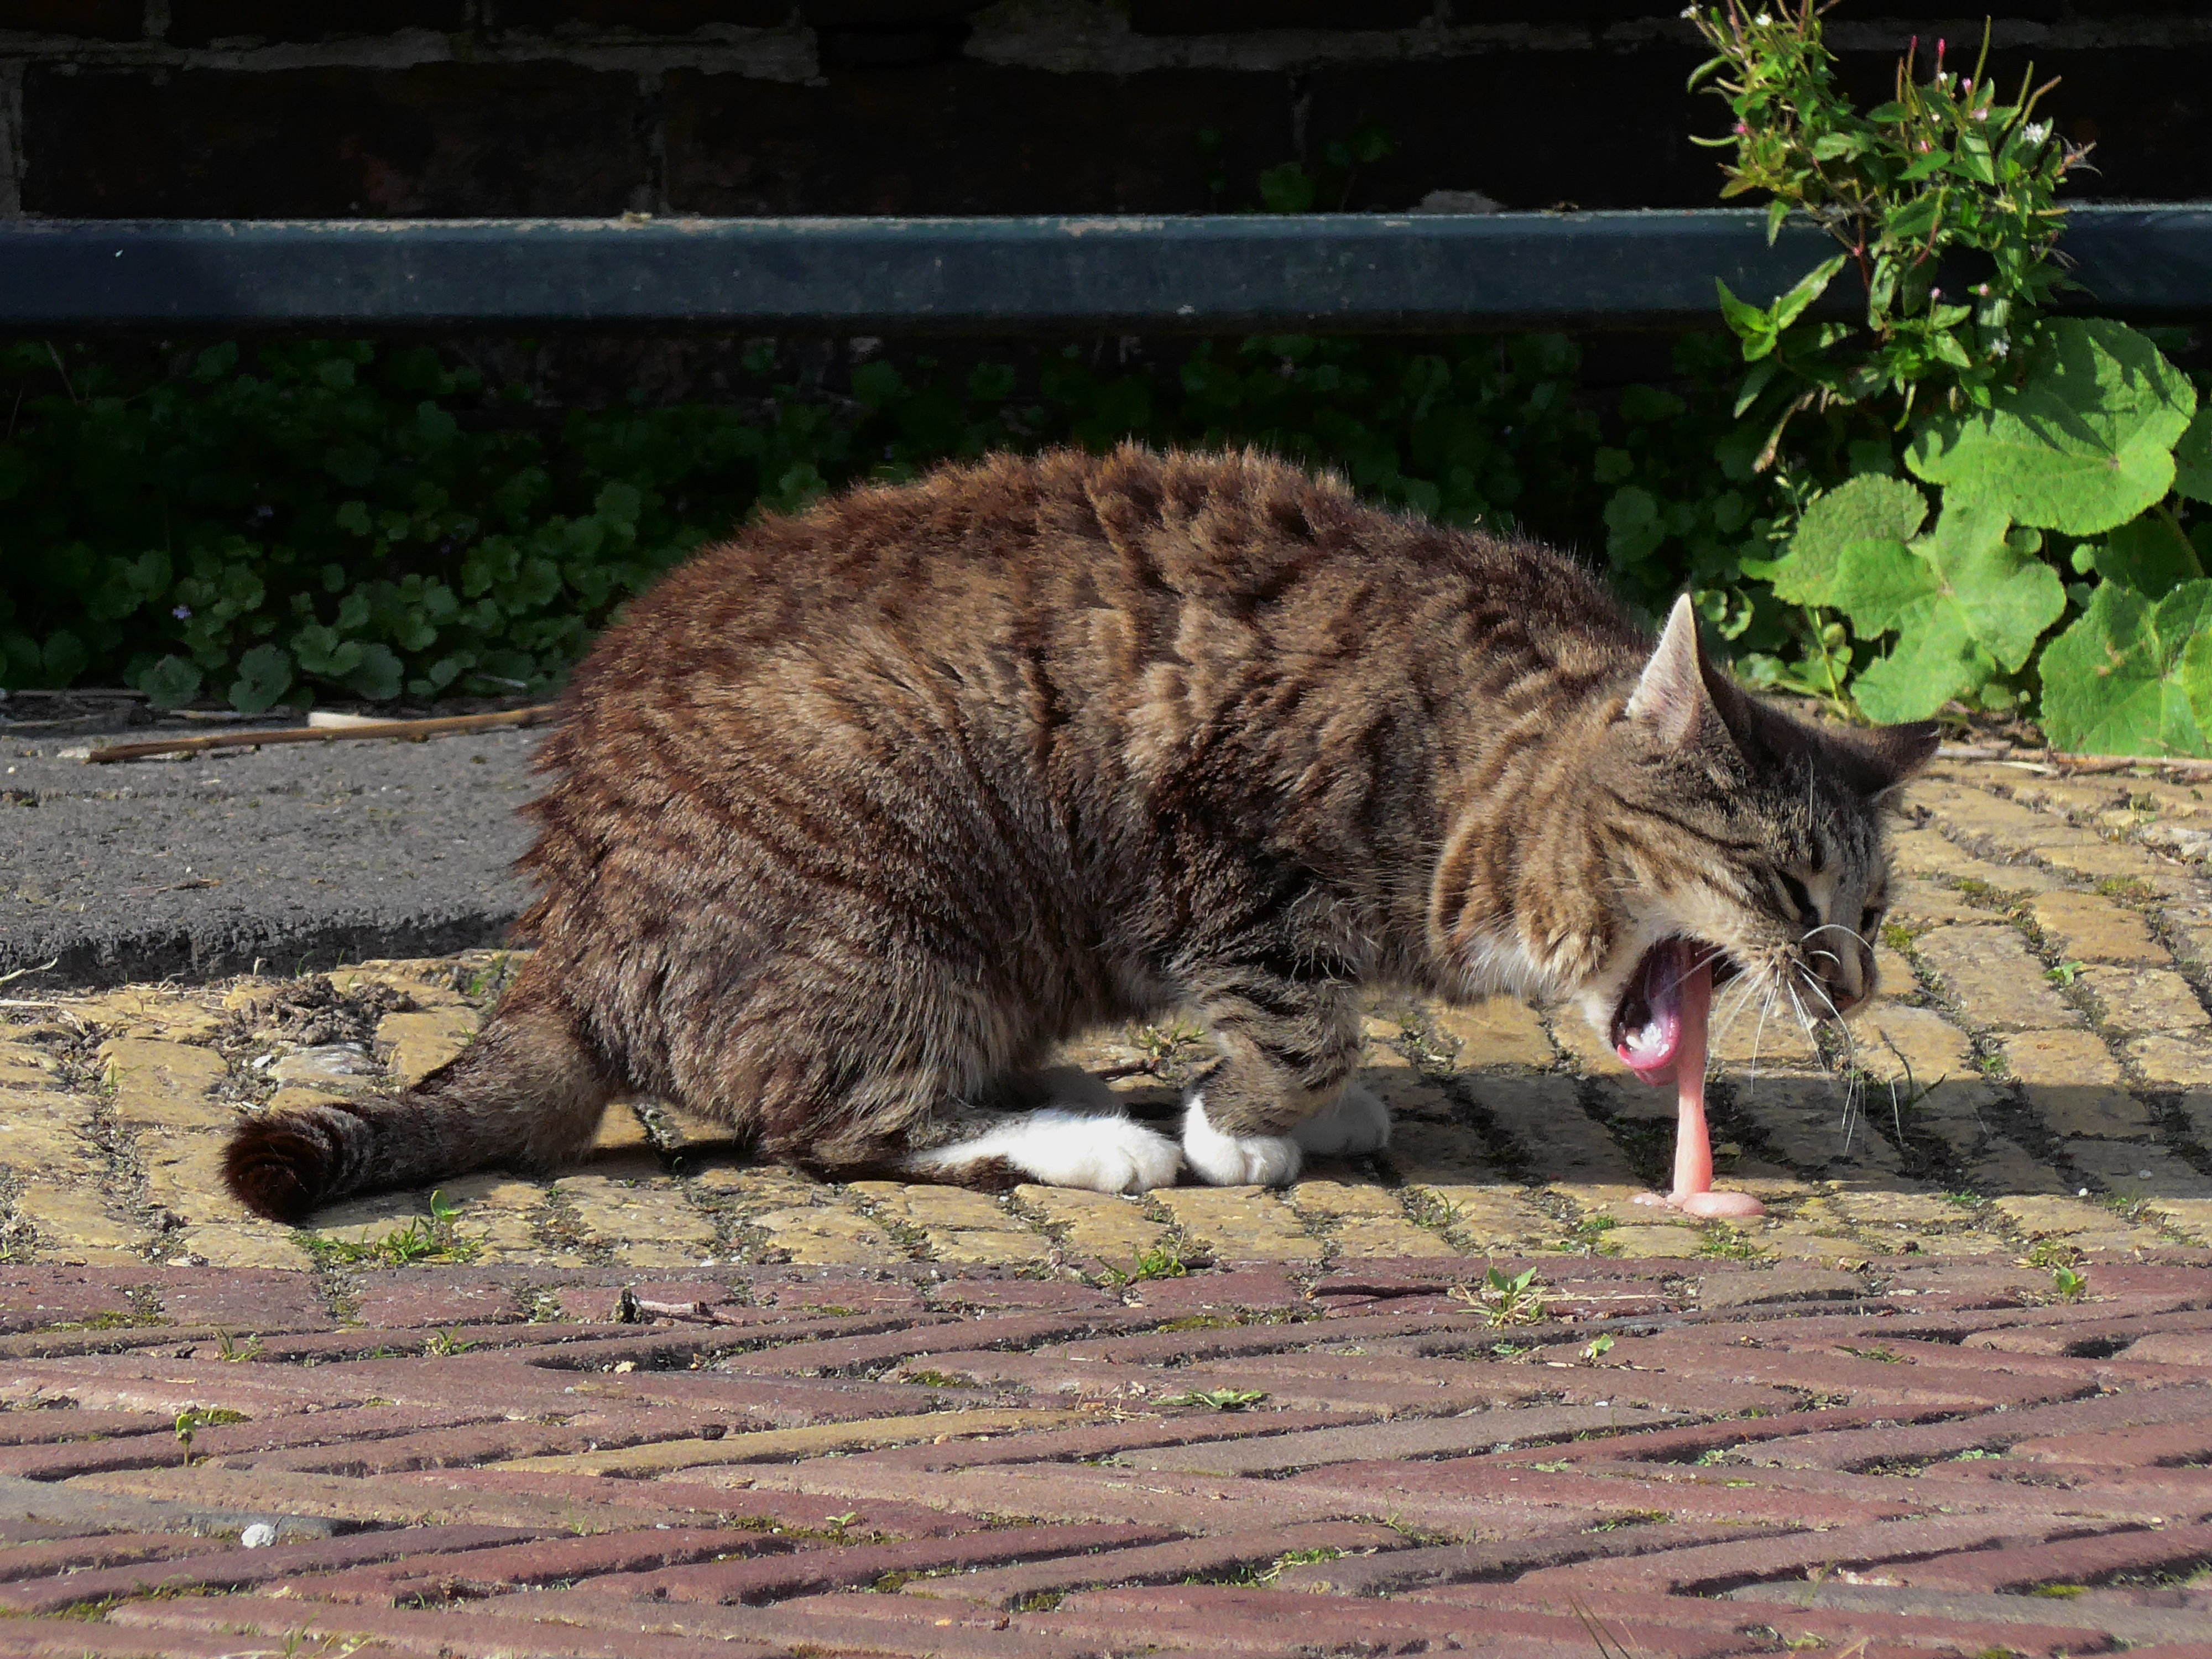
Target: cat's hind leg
{"points": [[1087, 1145], [1060, 1126]]}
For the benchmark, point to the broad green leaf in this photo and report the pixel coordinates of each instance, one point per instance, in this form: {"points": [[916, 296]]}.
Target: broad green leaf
{"points": [[2192, 458], [265, 674], [379, 678], [1866, 508], [2086, 444], [1963, 602], [1633, 525], [170, 684], [2148, 555], [2132, 678]]}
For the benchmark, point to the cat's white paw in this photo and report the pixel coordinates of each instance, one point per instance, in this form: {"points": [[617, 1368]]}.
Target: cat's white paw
{"points": [[1236, 1160], [1357, 1123], [1102, 1151]]}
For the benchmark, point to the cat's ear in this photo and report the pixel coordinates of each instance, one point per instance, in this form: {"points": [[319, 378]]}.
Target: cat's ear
{"points": [[1679, 683], [1889, 755]]}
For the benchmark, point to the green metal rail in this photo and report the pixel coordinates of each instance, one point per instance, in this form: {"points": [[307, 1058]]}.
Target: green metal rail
{"points": [[1336, 272]]}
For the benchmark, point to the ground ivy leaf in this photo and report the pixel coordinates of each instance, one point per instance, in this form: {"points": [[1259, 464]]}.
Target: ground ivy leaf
{"points": [[2192, 458], [1962, 600], [2149, 555], [1866, 509], [2131, 676], [2087, 443], [265, 674]]}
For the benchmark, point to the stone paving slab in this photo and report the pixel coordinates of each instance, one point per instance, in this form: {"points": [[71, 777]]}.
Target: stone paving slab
{"points": [[1949, 1394]]}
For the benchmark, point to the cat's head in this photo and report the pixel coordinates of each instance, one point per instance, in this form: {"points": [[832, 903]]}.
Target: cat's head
{"points": [[1745, 836]]}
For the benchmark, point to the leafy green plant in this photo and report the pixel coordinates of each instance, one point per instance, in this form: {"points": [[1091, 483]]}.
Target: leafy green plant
{"points": [[2057, 448], [434, 1237], [2069, 1283], [1219, 1400], [1504, 1299], [193, 1419], [327, 519]]}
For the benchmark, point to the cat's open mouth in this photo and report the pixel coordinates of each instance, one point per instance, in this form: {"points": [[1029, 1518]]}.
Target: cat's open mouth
{"points": [[1647, 1026]]}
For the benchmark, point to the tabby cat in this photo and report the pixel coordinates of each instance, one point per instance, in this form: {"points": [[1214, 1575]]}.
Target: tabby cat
{"points": [[853, 819]]}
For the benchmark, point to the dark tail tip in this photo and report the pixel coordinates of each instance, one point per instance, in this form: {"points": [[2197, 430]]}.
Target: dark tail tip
{"points": [[284, 1165]]}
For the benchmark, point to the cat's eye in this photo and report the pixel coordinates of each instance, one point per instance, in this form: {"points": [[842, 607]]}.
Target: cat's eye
{"points": [[1804, 908]]}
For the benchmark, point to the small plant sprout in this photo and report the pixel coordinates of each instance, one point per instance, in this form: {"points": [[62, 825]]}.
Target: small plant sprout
{"points": [[442, 1344], [2070, 1283], [193, 1419], [1219, 1400], [2064, 974], [1597, 1349], [1504, 1300], [232, 1353]]}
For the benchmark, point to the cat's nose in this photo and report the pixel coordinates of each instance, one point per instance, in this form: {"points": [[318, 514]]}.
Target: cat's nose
{"points": [[1849, 978]]}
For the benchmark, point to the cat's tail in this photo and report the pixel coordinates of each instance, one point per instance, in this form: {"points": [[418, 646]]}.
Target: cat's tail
{"points": [[527, 1094]]}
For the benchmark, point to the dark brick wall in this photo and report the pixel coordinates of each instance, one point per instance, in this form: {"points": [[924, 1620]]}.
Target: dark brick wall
{"points": [[452, 107]]}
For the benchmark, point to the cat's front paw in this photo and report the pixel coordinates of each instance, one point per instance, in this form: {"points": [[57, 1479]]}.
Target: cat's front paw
{"points": [[1357, 1123], [1223, 1160]]}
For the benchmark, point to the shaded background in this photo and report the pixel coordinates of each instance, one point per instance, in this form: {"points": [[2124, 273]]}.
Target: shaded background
{"points": [[372, 108]]}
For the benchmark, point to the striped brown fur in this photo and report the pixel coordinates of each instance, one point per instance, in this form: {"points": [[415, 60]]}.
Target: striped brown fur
{"points": [[855, 816]]}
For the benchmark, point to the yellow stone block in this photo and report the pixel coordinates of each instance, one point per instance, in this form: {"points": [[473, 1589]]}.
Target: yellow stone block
{"points": [[2056, 1216], [1817, 1124], [1430, 1151], [1651, 1242], [2007, 1169], [2106, 1114], [24, 1067], [72, 1219], [2060, 1061], [150, 1013], [2172, 1060], [46, 1144], [1748, 1030], [1368, 1238], [1888, 1039], [654, 1212], [825, 1235], [1995, 980], [1106, 1226], [1344, 1198], [1491, 1215], [2092, 929], [1877, 1206], [184, 1175], [165, 1083], [1545, 1116], [2189, 1217], [414, 1045], [2098, 860], [767, 1184], [1239, 1224], [1409, 1095], [620, 1131], [1892, 974], [2131, 1170], [1497, 1031], [1919, 903], [2137, 1001], [241, 1245]]}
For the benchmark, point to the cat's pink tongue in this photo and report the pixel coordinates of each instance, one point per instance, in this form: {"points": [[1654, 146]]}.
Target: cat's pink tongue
{"points": [[1681, 1001]]}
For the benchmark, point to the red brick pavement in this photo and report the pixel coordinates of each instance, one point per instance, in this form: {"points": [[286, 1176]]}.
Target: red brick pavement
{"points": [[1926, 1459]]}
